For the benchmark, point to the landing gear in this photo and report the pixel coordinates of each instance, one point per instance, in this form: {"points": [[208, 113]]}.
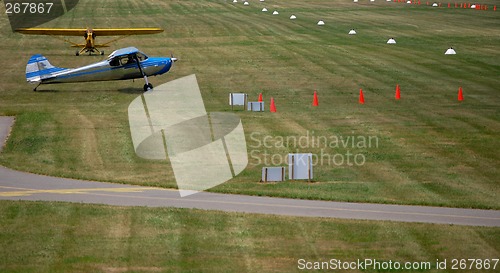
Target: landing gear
{"points": [[148, 86], [97, 50], [89, 50], [80, 52]]}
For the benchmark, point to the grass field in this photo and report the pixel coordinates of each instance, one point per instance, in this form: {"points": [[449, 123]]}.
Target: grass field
{"points": [[430, 149], [93, 238]]}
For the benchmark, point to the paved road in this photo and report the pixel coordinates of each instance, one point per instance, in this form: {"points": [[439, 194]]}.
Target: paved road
{"points": [[16, 185]]}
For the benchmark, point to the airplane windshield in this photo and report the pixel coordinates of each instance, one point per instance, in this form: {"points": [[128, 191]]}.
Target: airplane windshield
{"points": [[141, 56]]}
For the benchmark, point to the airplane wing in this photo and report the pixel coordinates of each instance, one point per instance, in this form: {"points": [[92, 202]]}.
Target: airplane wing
{"points": [[96, 31], [53, 31], [125, 31]]}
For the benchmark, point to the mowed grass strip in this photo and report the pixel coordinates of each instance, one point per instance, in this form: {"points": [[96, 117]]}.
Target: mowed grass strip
{"points": [[431, 150], [61, 237]]}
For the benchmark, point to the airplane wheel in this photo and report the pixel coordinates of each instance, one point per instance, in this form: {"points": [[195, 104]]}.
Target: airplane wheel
{"points": [[102, 53], [77, 53], [148, 87]]}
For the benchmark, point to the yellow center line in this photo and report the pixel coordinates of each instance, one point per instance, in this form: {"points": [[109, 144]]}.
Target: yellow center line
{"points": [[27, 192]]}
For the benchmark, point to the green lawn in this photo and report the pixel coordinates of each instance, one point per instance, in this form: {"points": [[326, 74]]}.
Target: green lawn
{"points": [[431, 149], [60, 237]]}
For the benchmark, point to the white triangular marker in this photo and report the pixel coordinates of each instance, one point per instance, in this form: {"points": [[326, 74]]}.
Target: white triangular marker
{"points": [[450, 51]]}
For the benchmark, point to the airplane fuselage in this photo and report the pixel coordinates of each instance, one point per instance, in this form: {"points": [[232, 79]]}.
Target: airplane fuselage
{"points": [[104, 71], [89, 39]]}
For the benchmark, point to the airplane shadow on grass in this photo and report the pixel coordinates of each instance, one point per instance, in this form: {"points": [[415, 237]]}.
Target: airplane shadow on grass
{"points": [[128, 90], [131, 90]]}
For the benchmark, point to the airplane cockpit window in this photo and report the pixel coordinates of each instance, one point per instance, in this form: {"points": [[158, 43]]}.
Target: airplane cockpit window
{"points": [[127, 59], [115, 61], [141, 56], [122, 60]]}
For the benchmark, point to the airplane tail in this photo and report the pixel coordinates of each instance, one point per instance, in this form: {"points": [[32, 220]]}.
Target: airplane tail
{"points": [[39, 69]]}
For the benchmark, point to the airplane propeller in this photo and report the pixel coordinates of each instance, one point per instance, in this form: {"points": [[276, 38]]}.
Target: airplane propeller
{"points": [[172, 57]]}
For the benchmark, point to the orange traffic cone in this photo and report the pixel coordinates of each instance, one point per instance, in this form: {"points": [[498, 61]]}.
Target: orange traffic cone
{"points": [[460, 94], [398, 92], [273, 106], [260, 97], [361, 97], [315, 99]]}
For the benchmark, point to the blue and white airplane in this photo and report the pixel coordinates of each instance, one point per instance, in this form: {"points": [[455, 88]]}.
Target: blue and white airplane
{"points": [[122, 64]]}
